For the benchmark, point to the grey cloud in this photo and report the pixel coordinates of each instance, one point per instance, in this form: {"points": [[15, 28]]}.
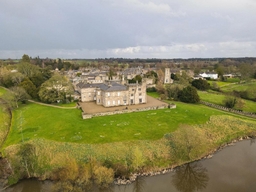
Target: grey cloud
{"points": [[96, 27]]}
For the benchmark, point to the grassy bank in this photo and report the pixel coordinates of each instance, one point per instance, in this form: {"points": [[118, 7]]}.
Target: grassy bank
{"points": [[49, 159], [249, 106], [5, 119]]}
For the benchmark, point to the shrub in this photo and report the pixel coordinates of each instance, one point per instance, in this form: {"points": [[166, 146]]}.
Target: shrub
{"points": [[103, 175], [229, 101], [189, 95], [200, 84]]}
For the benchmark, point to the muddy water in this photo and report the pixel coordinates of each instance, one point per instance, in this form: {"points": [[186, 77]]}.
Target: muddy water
{"points": [[232, 169]]}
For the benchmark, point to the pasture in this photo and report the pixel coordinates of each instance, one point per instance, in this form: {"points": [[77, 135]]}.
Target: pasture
{"points": [[249, 106]]}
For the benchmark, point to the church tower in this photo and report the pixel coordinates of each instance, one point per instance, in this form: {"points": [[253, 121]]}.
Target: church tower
{"points": [[167, 76]]}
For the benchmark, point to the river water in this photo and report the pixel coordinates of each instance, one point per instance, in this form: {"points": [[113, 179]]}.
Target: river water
{"points": [[231, 169]]}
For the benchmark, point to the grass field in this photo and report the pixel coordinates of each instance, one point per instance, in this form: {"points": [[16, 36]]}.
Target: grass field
{"points": [[36, 121], [219, 83], [240, 86], [249, 106]]}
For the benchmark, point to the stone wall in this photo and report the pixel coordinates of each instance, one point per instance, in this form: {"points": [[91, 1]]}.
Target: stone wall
{"points": [[248, 114], [127, 110]]}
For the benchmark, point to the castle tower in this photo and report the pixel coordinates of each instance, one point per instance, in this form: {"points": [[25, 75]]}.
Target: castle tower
{"points": [[167, 76]]}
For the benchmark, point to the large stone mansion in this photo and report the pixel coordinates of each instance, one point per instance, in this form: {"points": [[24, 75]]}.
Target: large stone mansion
{"points": [[112, 93]]}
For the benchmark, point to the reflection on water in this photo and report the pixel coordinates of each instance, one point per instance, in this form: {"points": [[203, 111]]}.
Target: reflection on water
{"points": [[139, 184], [26, 186], [190, 177]]}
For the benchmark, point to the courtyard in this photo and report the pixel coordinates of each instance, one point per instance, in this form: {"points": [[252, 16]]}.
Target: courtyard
{"points": [[92, 107]]}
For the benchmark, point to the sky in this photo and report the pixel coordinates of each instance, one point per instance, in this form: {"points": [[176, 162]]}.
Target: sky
{"points": [[127, 28]]}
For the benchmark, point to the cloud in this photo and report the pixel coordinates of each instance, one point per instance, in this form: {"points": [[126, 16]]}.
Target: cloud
{"points": [[128, 27], [147, 6]]}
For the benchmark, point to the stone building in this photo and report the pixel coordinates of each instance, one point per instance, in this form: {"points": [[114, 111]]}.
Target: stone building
{"points": [[111, 93], [167, 76]]}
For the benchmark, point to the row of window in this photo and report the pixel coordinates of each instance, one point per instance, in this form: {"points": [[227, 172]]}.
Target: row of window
{"points": [[140, 94]]}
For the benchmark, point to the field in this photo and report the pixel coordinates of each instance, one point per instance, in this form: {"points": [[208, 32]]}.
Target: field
{"points": [[249, 87], [34, 121], [249, 106]]}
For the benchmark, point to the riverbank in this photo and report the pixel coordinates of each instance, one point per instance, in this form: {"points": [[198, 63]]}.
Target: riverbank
{"points": [[134, 176]]}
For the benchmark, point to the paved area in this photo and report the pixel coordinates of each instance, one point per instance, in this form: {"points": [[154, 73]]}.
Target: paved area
{"points": [[91, 107]]}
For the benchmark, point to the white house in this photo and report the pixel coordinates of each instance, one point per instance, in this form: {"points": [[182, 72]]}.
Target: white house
{"points": [[210, 75]]}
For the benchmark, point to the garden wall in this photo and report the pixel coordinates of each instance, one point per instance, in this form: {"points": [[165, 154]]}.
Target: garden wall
{"points": [[248, 114]]}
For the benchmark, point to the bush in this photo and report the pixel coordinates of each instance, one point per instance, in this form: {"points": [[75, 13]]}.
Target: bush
{"points": [[201, 84], [151, 89], [189, 95], [229, 102], [103, 175]]}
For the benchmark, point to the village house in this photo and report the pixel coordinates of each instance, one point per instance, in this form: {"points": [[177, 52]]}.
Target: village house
{"points": [[210, 75]]}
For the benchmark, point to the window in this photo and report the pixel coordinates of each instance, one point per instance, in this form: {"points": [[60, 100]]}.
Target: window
{"points": [[108, 94], [131, 95], [131, 101], [118, 102], [108, 102], [114, 102], [140, 94], [139, 89], [132, 89], [140, 100], [98, 93], [118, 93]]}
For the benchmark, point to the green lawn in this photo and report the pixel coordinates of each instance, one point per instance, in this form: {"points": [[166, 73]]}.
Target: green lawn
{"points": [[211, 97], [37, 121]]}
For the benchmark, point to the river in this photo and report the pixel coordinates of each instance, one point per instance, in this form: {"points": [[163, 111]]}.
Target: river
{"points": [[231, 169]]}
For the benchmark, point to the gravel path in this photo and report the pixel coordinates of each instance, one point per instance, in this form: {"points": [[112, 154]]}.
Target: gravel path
{"points": [[51, 105]]}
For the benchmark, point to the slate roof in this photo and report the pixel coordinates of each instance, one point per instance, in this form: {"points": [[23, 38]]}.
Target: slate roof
{"points": [[112, 87]]}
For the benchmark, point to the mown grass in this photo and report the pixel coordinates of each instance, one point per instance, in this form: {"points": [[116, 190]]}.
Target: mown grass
{"points": [[249, 106], [33, 121]]}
